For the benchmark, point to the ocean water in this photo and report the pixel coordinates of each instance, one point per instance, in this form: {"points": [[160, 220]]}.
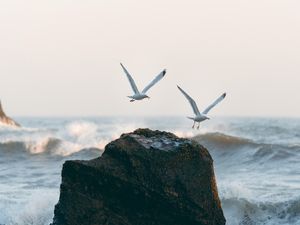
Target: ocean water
{"points": [[257, 163]]}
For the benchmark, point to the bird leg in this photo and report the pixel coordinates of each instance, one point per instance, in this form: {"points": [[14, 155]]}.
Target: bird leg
{"points": [[198, 126], [193, 125]]}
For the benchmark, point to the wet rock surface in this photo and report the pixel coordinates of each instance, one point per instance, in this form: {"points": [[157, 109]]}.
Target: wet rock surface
{"points": [[144, 177]]}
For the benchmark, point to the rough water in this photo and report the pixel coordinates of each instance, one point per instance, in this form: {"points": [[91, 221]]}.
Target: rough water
{"points": [[256, 163]]}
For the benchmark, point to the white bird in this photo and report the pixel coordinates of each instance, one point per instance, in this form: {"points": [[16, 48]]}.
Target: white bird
{"points": [[200, 116], [141, 95]]}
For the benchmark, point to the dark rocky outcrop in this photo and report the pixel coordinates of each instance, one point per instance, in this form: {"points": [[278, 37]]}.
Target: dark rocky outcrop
{"points": [[5, 120], [143, 178]]}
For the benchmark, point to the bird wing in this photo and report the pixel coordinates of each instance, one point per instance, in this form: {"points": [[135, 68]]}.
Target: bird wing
{"points": [[131, 81], [156, 79], [214, 103], [191, 101]]}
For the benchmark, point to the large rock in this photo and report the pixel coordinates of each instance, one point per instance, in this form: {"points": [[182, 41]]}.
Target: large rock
{"points": [[5, 120], [145, 177]]}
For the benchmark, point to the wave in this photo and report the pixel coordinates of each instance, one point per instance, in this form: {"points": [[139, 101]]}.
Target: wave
{"points": [[218, 143], [224, 140], [47, 146], [65, 140], [242, 205], [244, 212], [77, 135]]}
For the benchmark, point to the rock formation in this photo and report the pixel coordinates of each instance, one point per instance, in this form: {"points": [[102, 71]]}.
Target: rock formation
{"points": [[5, 120], [143, 178]]}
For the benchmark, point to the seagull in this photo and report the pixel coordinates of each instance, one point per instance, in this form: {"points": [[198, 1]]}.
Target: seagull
{"points": [[199, 117], [141, 95]]}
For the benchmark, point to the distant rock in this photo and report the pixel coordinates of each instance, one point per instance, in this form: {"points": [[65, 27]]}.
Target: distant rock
{"points": [[5, 120], [143, 178]]}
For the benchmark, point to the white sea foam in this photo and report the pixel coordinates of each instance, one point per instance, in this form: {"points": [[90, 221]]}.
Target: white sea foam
{"points": [[37, 209]]}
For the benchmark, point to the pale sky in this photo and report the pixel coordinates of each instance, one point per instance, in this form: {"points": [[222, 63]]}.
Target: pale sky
{"points": [[61, 58]]}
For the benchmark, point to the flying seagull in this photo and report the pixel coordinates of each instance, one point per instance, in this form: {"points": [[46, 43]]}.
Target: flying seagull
{"points": [[200, 116], [141, 95]]}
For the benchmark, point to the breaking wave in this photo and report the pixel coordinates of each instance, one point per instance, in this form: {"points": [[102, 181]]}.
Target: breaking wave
{"points": [[219, 142], [71, 138], [223, 140], [244, 212]]}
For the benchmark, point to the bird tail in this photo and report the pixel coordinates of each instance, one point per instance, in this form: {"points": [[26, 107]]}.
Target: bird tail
{"points": [[191, 118]]}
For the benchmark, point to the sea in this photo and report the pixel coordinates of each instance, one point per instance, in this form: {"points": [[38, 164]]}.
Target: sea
{"points": [[256, 161]]}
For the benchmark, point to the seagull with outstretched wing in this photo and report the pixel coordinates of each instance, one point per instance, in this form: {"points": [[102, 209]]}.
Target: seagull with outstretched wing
{"points": [[200, 116], [137, 94]]}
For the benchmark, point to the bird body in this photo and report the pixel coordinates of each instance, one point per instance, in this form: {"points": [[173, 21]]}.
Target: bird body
{"points": [[137, 94], [200, 116]]}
